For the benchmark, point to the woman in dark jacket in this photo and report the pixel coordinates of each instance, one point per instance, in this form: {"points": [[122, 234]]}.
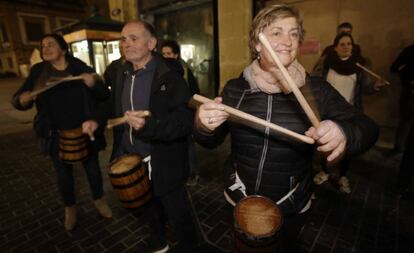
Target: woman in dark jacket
{"points": [[267, 164], [339, 68], [75, 104]]}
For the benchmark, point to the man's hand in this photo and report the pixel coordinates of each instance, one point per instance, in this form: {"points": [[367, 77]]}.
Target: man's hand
{"points": [[329, 137], [135, 120]]}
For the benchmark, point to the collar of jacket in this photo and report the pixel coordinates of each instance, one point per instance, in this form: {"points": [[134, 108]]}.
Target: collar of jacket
{"points": [[161, 70]]}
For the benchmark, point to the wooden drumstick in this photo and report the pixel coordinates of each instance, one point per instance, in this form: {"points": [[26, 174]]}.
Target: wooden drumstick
{"points": [[91, 136], [121, 120], [372, 73], [248, 118], [52, 84], [301, 99]]}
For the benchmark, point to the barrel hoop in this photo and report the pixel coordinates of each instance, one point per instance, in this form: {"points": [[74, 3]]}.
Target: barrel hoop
{"points": [[73, 161], [126, 173], [133, 183], [72, 139], [137, 198], [73, 151]]}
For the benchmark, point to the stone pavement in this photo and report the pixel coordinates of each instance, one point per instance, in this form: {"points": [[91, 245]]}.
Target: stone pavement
{"points": [[370, 219]]}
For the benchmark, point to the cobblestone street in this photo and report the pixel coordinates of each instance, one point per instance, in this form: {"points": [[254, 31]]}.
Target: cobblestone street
{"points": [[370, 219]]}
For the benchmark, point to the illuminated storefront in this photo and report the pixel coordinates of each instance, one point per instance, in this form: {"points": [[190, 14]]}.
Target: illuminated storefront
{"points": [[95, 41]]}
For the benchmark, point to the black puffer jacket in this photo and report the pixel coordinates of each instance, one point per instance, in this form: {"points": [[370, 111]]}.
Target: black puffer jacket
{"points": [[271, 165]]}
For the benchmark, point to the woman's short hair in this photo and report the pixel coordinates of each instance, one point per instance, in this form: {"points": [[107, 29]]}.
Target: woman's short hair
{"points": [[340, 36], [267, 16], [60, 40]]}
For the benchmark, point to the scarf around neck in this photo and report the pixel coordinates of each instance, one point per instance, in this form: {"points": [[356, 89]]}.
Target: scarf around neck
{"points": [[274, 82], [343, 67]]}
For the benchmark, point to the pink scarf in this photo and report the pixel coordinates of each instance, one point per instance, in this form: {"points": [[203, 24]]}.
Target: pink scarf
{"points": [[274, 82]]}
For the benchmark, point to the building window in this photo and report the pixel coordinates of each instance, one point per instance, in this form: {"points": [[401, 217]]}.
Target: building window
{"points": [[10, 62], [4, 38], [33, 27], [62, 22], [3, 33]]}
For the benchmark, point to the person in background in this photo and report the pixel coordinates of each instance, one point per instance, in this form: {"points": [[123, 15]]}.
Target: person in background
{"points": [[344, 27], [271, 165], [171, 49], [404, 66], [340, 70], [70, 105], [148, 82]]}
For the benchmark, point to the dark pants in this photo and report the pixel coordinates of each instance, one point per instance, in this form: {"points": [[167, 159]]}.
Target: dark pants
{"points": [[343, 166], [174, 207], [65, 181], [116, 145], [192, 156], [406, 173], [292, 226]]}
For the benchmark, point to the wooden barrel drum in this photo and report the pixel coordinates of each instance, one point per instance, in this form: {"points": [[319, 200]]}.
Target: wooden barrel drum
{"points": [[257, 222], [129, 178], [73, 145]]}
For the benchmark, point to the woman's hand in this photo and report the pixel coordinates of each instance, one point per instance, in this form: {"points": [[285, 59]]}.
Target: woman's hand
{"points": [[89, 127], [88, 79], [209, 116], [134, 120], [329, 137], [25, 98]]}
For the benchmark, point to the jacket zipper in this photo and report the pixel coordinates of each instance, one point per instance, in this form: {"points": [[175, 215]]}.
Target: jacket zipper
{"points": [[265, 145], [131, 100]]}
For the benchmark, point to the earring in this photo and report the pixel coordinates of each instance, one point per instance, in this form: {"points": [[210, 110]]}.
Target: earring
{"points": [[258, 56]]}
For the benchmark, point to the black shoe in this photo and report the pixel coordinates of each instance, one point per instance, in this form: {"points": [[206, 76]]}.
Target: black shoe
{"points": [[193, 180]]}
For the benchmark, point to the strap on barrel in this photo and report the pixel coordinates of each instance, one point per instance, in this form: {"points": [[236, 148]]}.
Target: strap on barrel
{"points": [[148, 161]]}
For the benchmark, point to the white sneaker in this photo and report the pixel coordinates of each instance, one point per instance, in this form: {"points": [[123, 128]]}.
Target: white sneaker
{"points": [[321, 177], [343, 183], [163, 250]]}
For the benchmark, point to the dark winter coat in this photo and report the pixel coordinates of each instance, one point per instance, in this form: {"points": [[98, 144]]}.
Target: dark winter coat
{"points": [[79, 103], [168, 127]]}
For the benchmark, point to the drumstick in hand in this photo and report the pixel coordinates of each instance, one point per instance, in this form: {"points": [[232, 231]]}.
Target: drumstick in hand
{"points": [[121, 120], [301, 99], [91, 136], [372, 73]]}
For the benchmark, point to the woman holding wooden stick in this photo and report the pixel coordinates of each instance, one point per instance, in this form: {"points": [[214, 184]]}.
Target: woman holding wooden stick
{"points": [[342, 69], [271, 165], [68, 114]]}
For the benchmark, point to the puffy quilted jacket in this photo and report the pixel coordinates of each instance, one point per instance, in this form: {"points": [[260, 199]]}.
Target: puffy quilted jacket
{"points": [[271, 165]]}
